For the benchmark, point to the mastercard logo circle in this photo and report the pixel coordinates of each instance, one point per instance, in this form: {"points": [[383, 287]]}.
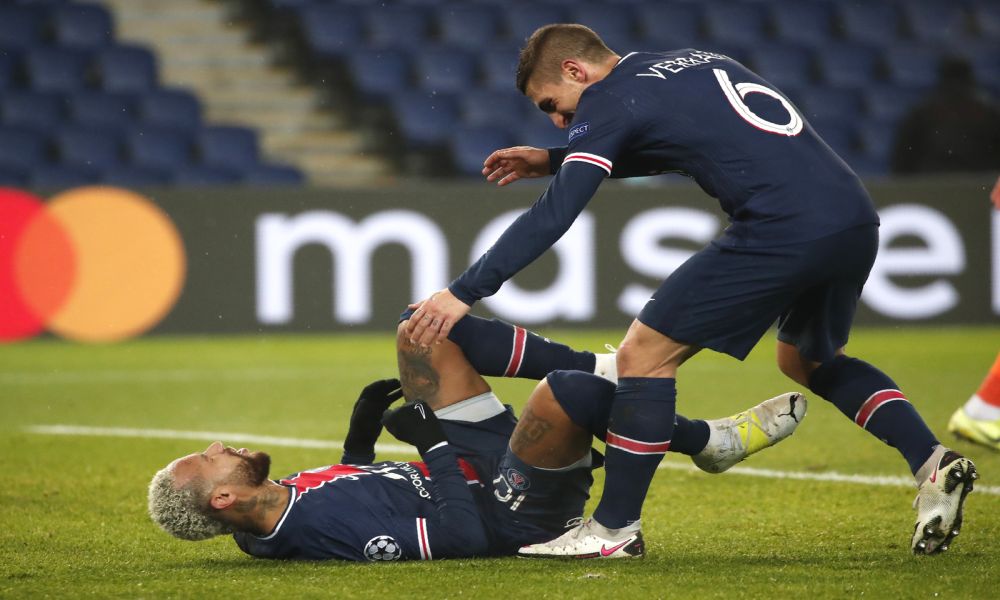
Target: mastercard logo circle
{"points": [[94, 264]]}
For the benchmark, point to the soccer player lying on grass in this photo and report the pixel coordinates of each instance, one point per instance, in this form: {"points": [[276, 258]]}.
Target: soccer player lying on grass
{"points": [[488, 483]]}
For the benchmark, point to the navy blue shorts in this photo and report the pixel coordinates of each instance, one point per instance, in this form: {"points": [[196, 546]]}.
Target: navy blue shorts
{"points": [[520, 504], [725, 298]]}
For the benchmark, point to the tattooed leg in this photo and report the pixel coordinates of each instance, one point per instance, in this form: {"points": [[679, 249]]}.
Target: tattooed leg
{"points": [[439, 375], [545, 436]]}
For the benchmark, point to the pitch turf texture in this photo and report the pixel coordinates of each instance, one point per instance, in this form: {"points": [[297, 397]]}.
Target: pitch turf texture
{"points": [[73, 506]]}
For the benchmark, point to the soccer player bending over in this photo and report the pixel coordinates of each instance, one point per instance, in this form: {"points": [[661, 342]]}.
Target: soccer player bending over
{"points": [[487, 483]]}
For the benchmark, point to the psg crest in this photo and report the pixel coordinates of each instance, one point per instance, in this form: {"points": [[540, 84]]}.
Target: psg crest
{"points": [[382, 547]]}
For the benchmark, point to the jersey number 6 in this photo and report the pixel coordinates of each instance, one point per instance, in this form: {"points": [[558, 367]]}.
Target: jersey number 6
{"points": [[736, 93]]}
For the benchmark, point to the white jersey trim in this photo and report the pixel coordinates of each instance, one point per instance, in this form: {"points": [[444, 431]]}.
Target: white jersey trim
{"points": [[293, 495], [592, 159], [423, 541]]}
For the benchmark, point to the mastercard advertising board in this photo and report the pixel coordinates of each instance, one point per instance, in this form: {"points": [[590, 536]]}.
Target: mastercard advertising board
{"points": [[103, 264]]}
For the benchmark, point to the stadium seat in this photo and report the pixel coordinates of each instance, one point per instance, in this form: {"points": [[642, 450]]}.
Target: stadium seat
{"points": [[838, 134], [204, 175], [912, 65], [331, 30], [100, 109], [88, 147], [848, 64], [522, 19], [132, 176], [889, 102], [12, 178], [63, 176], [486, 107], [270, 174], [158, 148], [21, 27], [499, 67], [986, 17], [56, 69], [877, 137], [445, 69], [425, 120], [126, 69], [40, 111], [468, 25], [538, 131], [935, 20], [830, 104], [80, 25], [227, 146], [809, 23], [470, 146], [784, 65], [397, 26], [613, 23], [666, 26], [876, 23], [378, 73], [8, 70], [736, 22], [170, 108], [21, 149]]}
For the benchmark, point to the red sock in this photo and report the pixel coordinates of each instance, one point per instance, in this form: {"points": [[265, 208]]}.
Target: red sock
{"points": [[989, 391]]}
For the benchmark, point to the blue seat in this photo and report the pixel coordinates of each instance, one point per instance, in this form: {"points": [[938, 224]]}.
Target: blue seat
{"points": [[158, 148], [132, 176], [22, 149], [127, 69], [876, 23], [838, 134], [445, 69], [613, 23], [205, 175], [398, 26], [103, 109], [331, 30], [40, 111], [8, 70], [468, 25], [21, 26], [228, 146], [912, 65], [784, 65], [82, 25], [669, 25], [12, 178], [810, 23], [89, 147], [499, 67], [488, 107], [935, 20], [63, 176], [273, 174], [848, 64], [523, 19], [736, 23], [377, 73], [425, 120], [830, 103], [170, 108], [56, 69], [469, 146], [538, 131], [984, 57], [877, 137], [889, 102], [986, 16]]}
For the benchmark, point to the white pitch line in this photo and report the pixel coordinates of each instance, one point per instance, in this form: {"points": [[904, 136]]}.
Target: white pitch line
{"points": [[287, 442]]}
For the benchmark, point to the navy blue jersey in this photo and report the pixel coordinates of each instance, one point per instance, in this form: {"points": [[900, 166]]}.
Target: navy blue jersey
{"points": [[697, 113], [384, 511]]}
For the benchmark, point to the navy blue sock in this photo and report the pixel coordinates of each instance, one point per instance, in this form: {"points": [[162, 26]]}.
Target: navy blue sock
{"points": [[500, 349], [690, 437], [873, 401], [639, 432]]}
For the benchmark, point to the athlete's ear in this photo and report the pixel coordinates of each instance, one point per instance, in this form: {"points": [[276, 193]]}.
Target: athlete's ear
{"points": [[222, 497], [573, 69]]}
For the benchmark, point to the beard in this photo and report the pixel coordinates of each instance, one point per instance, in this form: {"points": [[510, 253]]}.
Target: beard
{"points": [[253, 470]]}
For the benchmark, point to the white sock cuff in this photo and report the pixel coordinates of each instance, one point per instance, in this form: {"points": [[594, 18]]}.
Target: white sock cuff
{"points": [[981, 410], [472, 410], [586, 461]]}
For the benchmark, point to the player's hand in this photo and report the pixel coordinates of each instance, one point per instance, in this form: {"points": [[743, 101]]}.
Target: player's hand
{"points": [[520, 162], [433, 318], [416, 425], [366, 418]]}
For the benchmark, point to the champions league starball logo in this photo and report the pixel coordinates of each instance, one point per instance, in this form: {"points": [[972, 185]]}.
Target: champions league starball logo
{"points": [[382, 547]]}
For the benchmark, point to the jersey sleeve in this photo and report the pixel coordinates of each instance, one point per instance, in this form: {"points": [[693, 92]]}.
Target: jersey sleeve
{"points": [[458, 529], [601, 128]]}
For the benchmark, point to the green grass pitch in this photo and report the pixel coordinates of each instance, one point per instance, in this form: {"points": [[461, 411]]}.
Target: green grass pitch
{"points": [[72, 507]]}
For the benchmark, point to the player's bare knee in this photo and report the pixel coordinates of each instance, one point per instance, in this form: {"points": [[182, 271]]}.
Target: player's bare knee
{"points": [[794, 366]]}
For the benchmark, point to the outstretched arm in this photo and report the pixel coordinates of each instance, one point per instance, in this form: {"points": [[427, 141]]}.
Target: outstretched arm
{"points": [[366, 420]]}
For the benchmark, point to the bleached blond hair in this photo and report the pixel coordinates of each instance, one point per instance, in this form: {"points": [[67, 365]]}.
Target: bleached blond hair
{"points": [[183, 511]]}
